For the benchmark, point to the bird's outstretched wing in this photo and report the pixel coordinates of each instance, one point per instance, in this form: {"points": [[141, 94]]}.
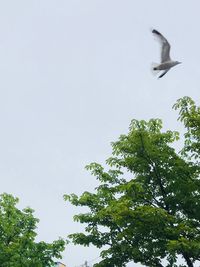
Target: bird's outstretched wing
{"points": [[165, 46], [164, 72]]}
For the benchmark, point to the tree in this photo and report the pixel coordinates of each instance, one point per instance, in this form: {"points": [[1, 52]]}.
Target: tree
{"points": [[17, 238], [147, 205]]}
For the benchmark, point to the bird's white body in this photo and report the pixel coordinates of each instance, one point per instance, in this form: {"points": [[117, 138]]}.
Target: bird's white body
{"points": [[166, 62]]}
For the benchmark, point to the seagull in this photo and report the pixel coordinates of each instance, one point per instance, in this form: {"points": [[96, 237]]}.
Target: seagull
{"points": [[166, 63]]}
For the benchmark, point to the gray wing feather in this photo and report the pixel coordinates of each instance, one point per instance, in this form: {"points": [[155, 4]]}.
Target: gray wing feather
{"points": [[165, 46]]}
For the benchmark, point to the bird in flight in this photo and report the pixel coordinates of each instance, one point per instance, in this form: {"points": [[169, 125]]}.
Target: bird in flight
{"points": [[166, 63]]}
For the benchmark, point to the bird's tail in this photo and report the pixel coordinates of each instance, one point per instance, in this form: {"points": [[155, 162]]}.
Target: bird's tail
{"points": [[154, 69]]}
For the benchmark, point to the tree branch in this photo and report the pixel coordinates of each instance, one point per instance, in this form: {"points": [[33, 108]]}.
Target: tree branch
{"points": [[156, 172], [188, 260]]}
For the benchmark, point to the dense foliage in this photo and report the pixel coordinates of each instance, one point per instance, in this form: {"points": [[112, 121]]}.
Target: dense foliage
{"points": [[146, 208], [17, 238]]}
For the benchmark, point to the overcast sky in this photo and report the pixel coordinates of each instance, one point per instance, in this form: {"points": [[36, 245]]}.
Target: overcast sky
{"points": [[73, 73]]}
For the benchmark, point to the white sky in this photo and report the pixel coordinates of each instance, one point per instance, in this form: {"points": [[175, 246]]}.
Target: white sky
{"points": [[73, 73]]}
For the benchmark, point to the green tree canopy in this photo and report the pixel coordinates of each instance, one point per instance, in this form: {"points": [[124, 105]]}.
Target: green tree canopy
{"points": [[146, 208], [17, 238]]}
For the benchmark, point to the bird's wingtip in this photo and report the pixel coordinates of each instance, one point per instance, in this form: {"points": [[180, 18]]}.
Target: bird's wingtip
{"points": [[155, 31]]}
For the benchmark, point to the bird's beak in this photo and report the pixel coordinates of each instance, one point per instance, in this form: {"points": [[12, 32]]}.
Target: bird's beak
{"points": [[179, 62]]}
